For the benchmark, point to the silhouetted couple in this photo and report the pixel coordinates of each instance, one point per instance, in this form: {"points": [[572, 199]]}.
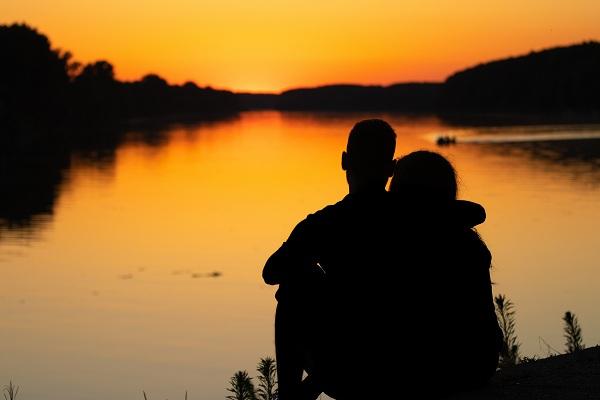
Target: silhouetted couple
{"points": [[385, 293]]}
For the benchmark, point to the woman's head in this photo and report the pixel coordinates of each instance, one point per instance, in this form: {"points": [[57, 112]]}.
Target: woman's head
{"points": [[425, 173]]}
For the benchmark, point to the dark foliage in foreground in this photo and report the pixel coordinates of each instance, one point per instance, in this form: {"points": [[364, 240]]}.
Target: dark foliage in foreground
{"points": [[10, 391], [505, 312], [573, 333], [242, 387]]}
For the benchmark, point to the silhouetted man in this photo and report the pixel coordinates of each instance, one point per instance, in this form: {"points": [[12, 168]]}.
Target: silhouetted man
{"points": [[318, 247]]}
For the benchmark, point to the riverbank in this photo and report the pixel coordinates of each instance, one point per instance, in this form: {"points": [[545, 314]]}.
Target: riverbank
{"points": [[562, 377]]}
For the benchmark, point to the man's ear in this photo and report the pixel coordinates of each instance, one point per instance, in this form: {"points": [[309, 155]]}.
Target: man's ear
{"points": [[345, 161]]}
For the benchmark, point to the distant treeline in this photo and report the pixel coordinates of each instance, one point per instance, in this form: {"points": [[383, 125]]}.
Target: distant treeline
{"points": [[409, 97], [43, 92], [42, 88], [562, 80]]}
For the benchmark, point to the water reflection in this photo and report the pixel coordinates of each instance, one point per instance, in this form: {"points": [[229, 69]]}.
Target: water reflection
{"points": [[577, 160], [148, 274], [565, 153], [30, 186], [32, 180]]}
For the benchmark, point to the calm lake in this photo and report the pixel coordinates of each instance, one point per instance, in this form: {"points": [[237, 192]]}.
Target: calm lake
{"points": [[141, 269]]}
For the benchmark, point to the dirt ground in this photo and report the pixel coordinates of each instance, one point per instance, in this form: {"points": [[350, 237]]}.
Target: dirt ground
{"points": [[562, 377]]}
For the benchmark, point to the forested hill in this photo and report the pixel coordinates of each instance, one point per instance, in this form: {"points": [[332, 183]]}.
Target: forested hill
{"points": [[558, 80], [43, 89], [561, 79]]}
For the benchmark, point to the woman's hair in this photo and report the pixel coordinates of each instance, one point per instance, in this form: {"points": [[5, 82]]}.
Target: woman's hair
{"points": [[425, 173]]}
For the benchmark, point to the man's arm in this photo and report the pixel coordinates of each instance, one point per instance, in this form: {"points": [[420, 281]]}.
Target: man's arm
{"points": [[294, 258], [274, 270]]}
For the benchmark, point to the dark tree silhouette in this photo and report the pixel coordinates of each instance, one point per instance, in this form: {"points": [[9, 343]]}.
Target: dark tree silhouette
{"points": [[33, 83], [267, 386], [241, 387], [95, 92], [561, 79], [506, 319], [99, 72], [409, 97], [573, 333], [42, 89]]}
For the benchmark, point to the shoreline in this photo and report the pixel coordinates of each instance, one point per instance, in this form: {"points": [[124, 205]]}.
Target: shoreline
{"points": [[573, 376]]}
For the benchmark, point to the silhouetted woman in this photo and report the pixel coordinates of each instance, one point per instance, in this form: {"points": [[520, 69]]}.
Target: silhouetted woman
{"points": [[448, 282]]}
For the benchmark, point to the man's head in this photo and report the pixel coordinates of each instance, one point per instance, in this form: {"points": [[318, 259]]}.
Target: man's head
{"points": [[369, 156]]}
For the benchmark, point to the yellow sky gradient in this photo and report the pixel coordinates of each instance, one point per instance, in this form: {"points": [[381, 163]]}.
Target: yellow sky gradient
{"points": [[270, 45]]}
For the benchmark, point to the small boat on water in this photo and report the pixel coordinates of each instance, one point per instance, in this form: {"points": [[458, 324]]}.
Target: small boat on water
{"points": [[445, 140]]}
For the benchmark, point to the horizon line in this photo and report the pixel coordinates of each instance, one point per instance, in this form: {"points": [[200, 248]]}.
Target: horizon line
{"points": [[277, 92], [314, 85]]}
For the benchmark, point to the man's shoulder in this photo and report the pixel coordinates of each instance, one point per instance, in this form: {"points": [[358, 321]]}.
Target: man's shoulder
{"points": [[319, 222], [348, 209], [328, 213]]}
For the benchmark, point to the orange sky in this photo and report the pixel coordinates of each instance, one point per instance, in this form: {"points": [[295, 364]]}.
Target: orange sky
{"points": [[271, 45]]}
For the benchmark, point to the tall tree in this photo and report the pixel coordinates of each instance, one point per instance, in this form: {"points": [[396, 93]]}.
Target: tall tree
{"points": [[573, 333], [241, 387], [33, 80], [267, 386]]}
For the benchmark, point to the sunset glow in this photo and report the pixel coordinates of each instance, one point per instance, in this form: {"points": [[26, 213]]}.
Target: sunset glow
{"points": [[269, 45]]}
